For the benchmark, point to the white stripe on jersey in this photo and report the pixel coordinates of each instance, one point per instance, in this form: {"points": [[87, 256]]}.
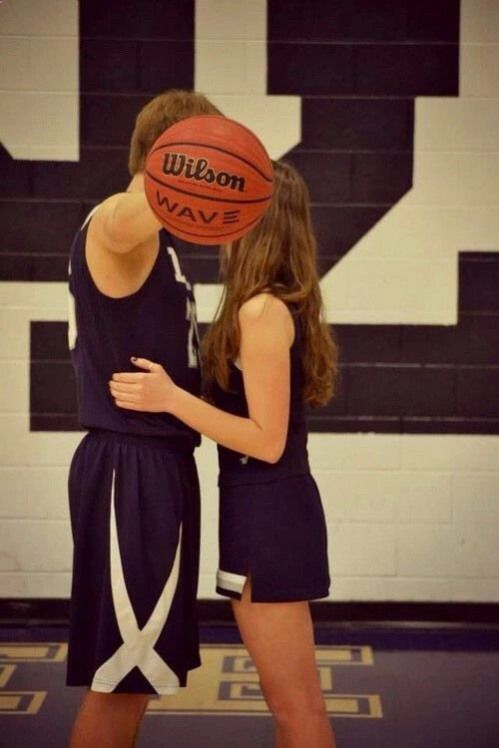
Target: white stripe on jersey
{"points": [[72, 328]]}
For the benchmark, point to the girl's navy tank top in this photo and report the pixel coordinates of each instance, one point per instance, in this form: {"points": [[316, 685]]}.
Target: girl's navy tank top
{"points": [[236, 468], [157, 322]]}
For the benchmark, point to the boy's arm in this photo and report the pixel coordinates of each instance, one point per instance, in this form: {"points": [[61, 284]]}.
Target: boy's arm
{"points": [[123, 222]]}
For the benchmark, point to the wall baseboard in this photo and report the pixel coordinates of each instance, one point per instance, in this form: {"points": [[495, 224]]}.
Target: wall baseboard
{"points": [[48, 611]]}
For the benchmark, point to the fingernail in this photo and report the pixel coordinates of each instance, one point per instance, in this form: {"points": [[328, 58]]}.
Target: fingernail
{"points": [[134, 358]]}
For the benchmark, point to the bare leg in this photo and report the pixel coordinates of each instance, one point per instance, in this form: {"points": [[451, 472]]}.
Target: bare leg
{"points": [[108, 720], [279, 638]]}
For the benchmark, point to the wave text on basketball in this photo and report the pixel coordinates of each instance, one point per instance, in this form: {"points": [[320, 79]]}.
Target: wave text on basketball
{"points": [[178, 164], [197, 216]]}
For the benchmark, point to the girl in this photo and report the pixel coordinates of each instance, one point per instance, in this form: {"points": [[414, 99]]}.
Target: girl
{"points": [[267, 355]]}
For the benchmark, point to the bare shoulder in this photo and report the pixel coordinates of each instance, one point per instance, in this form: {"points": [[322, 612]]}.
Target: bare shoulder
{"points": [[263, 305], [267, 311], [125, 222], [104, 210], [98, 219]]}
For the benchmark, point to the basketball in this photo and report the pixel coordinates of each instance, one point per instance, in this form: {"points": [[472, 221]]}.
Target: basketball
{"points": [[208, 179]]}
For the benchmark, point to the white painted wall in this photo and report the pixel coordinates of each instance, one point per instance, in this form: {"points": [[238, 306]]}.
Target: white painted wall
{"points": [[411, 517], [409, 259], [39, 96]]}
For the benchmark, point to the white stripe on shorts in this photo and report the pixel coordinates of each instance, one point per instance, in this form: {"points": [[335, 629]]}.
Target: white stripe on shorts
{"points": [[230, 582], [137, 649]]}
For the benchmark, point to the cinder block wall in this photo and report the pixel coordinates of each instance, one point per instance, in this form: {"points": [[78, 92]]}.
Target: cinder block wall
{"points": [[390, 112]]}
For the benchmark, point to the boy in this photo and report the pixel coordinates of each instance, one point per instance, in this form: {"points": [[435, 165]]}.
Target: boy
{"points": [[133, 489]]}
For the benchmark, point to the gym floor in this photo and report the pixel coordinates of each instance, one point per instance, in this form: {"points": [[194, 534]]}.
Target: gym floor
{"points": [[386, 687]]}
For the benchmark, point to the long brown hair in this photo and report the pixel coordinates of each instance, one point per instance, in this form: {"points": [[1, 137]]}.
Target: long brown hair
{"points": [[278, 256]]}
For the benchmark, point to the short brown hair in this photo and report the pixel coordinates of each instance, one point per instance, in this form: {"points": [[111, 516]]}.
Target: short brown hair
{"points": [[159, 114]]}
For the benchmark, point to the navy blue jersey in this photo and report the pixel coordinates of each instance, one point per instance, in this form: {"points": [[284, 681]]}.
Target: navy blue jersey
{"points": [[157, 322], [236, 468]]}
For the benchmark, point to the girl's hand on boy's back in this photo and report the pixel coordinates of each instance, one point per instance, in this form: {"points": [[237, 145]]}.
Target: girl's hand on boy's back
{"points": [[267, 332], [150, 391]]}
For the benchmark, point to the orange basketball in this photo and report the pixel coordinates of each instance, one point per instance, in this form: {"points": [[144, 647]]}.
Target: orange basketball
{"points": [[208, 179]]}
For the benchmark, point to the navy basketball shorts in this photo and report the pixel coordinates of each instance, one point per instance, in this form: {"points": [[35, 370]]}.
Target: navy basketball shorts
{"points": [[134, 506], [275, 533]]}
